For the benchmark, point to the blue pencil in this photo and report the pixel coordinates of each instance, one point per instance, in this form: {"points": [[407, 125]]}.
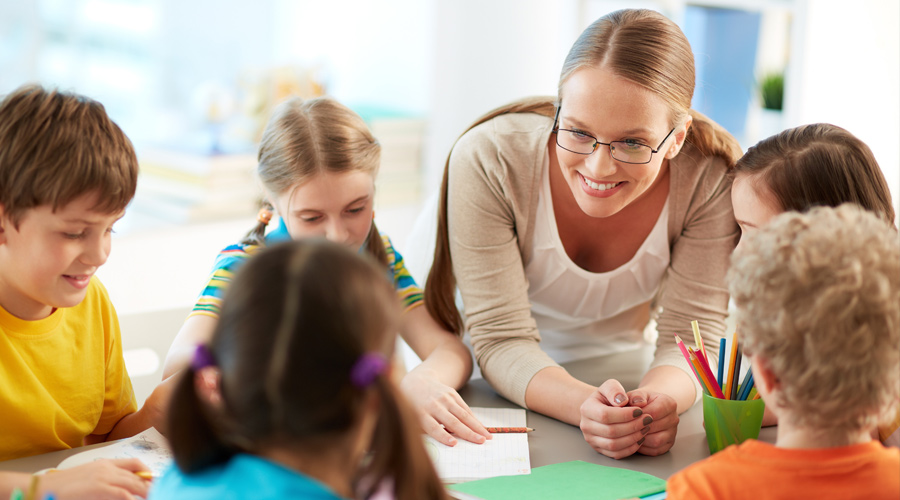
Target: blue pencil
{"points": [[721, 373], [746, 385]]}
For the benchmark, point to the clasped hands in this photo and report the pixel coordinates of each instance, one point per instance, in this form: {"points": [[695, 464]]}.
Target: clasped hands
{"points": [[619, 424]]}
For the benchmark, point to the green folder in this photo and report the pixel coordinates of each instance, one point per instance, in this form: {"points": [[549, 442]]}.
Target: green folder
{"points": [[570, 480]]}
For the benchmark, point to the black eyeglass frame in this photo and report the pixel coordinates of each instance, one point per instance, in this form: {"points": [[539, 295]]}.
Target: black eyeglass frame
{"points": [[597, 143]]}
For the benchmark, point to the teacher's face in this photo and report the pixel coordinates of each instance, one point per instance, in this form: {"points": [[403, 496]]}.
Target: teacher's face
{"points": [[610, 108]]}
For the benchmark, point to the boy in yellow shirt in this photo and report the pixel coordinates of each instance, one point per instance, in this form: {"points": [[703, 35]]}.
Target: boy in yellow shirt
{"points": [[818, 304], [66, 174]]}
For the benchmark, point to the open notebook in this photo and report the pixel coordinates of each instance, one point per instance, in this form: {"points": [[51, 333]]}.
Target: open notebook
{"points": [[150, 447], [504, 455]]}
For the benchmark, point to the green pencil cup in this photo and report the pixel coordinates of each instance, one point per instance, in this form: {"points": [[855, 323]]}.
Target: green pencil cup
{"points": [[730, 422]]}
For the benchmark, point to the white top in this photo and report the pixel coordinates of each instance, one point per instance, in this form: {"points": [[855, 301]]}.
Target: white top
{"points": [[581, 314]]}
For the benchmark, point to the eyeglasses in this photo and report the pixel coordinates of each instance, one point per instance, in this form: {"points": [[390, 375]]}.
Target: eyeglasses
{"points": [[582, 143]]}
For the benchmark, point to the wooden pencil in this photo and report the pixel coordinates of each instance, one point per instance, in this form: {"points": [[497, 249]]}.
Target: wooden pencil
{"points": [[699, 340], [729, 379]]}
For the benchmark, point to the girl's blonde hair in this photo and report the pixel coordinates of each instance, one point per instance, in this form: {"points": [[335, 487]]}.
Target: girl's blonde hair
{"points": [[818, 298], [287, 348], [307, 137], [642, 46]]}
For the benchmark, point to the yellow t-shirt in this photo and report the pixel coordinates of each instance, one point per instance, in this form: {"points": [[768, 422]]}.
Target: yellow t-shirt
{"points": [[62, 377]]}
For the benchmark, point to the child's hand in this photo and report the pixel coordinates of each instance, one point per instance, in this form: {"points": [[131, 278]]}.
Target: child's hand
{"points": [[157, 404], [442, 411], [100, 480]]}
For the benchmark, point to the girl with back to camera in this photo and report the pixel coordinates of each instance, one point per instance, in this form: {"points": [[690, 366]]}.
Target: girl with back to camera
{"points": [[807, 166], [302, 389], [561, 219], [317, 164]]}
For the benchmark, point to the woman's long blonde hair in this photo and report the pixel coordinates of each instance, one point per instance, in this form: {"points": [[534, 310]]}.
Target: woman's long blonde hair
{"points": [[642, 46]]}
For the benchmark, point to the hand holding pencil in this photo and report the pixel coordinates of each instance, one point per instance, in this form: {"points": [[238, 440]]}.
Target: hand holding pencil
{"points": [[100, 480]]}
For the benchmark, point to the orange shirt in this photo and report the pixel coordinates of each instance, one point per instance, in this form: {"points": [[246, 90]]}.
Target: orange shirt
{"points": [[755, 470]]}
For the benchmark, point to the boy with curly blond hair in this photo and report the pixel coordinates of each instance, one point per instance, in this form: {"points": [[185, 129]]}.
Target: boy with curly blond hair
{"points": [[818, 304], [66, 174]]}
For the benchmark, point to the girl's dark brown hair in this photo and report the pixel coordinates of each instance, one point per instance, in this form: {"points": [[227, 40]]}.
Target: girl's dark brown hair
{"points": [[642, 46], [294, 322], [306, 137], [818, 165]]}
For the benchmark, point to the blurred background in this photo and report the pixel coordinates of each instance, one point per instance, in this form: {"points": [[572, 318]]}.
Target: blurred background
{"points": [[192, 83]]}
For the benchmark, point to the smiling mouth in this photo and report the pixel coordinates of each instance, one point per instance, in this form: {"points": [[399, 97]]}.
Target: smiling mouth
{"points": [[599, 186]]}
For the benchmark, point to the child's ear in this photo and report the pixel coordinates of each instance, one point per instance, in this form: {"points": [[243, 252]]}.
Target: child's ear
{"points": [[207, 384], [763, 378]]}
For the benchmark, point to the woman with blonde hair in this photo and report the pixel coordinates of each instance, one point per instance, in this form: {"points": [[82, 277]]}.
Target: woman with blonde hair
{"points": [[567, 223]]}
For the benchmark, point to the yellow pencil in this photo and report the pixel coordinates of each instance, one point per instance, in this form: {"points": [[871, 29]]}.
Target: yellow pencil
{"points": [[145, 474], [699, 340], [729, 380]]}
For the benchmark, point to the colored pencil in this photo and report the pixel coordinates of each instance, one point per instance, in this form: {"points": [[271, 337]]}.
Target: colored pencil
{"points": [[699, 340], [737, 371], [753, 392], [508, 430], [755, 396], [145, 474], [721, 361], [687, 357], [695, 364], [729, 378], [746, 386], [714, 389]]}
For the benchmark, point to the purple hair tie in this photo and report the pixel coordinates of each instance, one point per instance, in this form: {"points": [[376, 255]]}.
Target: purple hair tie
{"points": [[369, 366], [202, 358]]}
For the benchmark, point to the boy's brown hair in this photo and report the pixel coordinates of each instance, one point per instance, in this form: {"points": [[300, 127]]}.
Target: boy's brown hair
{"points": [[57, 146], [818, 298]]}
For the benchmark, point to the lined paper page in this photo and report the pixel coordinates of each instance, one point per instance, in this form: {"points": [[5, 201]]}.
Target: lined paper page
{"points": [[504, 455]]}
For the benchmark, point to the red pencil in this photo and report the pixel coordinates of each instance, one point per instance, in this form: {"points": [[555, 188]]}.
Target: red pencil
{"points": [[708, 375], [508, 430]]}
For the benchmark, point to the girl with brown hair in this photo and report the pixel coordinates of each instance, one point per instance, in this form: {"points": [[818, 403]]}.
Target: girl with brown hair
{"points": [[292, 397], [805, 167], [566, 223], [317, 164]]}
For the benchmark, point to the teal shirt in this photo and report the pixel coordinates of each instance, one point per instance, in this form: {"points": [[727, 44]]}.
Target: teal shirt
{"points": [[242, 477]]}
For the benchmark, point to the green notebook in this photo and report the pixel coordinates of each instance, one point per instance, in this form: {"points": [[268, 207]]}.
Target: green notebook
{"points": [[569, 480]]}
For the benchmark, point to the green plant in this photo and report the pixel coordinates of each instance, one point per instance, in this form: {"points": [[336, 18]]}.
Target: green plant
{"points": [[772, 90]]}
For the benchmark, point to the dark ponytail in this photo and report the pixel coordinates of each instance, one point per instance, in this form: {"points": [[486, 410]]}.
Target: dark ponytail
{"points": [[440, 288], [195, 442], [398, 452]]}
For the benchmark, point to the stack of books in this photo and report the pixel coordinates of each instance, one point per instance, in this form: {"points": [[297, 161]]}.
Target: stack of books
{"points": [[184, 187]]}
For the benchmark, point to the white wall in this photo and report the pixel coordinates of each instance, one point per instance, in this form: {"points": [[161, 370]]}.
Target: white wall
{"points": [[848, 74], [371, 52], [487, 54]]}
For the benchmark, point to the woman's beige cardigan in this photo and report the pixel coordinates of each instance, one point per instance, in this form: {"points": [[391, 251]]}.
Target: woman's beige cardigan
{"points": [[494, 180]]}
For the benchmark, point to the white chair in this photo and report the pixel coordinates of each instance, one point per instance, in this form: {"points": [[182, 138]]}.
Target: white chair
{"points": [[146, 337]]}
